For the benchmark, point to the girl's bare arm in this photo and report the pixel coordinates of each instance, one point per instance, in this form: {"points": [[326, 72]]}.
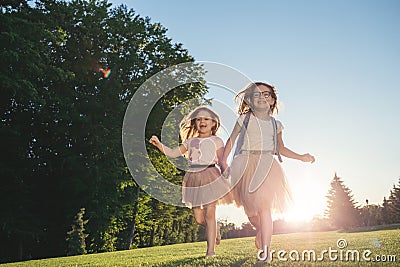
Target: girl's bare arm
{"points": [[169, 152], [284, 151], [220, 155], [229, 144]]}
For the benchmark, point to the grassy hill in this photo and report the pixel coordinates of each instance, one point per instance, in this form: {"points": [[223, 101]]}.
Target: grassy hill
{"points": [[374, 245]]}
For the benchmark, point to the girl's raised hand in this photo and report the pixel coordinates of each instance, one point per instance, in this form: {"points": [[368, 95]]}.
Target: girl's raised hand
{"points": [[307, 158], [154, 141]]}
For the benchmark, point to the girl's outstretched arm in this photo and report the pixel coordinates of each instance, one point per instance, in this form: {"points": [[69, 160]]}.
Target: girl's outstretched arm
{"points": [[229, 144], [169, 152], [284, 151]]}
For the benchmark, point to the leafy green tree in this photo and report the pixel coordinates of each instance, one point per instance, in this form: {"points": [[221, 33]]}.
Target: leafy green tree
{"points": [[227, 229], [371, 215], [247, 229], [25, 69], [76, 237], [342, 211], [61, 124], [386, 213]]}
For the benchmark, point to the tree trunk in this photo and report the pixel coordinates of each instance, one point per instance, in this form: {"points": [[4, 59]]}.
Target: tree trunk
{"points": [[135, 210], [20, 250], [153, 229]]}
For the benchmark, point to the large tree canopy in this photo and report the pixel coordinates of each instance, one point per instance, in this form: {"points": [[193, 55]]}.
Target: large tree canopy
{"points": [[61, 121]]}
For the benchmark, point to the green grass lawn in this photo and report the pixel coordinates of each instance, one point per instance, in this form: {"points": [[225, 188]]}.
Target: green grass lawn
{"points": [[242, 252]]}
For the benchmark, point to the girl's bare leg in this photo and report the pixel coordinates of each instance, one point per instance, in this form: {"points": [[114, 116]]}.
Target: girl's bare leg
{"points": [[211, 229], [218, 238], [199, 215], [206, 218], [266, 230], [255, 221]]}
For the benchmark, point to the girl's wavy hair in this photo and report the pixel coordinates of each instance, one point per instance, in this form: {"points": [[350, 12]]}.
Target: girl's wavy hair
{"points": [[188, 126], [244, 96]]}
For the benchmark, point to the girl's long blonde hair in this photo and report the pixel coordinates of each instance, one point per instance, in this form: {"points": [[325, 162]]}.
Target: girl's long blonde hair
{"points": [[244, 96], [188, 126]]}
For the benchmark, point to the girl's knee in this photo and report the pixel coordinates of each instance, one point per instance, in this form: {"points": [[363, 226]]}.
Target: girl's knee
{"points": [[199, 216], [200, 220], [255, 220]]}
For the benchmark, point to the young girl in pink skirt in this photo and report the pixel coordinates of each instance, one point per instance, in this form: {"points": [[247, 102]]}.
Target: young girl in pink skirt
{"points": [[203, 187], [258, 179]]}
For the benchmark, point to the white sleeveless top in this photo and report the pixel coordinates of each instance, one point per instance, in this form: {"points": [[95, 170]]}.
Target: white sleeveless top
{"points": [[259, 134]]}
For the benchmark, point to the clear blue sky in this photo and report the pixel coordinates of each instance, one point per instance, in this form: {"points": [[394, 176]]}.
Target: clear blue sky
{"points": [[336, 67]]}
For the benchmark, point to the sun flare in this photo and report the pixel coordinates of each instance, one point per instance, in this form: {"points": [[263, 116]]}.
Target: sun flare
{"points": [[308, 202]]}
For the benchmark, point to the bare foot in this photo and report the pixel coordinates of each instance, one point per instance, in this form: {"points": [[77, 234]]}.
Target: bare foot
{"points": [[208, 255], [218, 238], [263, 255], [258, 240]]}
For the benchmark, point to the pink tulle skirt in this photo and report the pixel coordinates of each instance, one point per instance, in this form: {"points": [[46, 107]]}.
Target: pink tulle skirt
{"points": [[259, 183], [205, 187]]}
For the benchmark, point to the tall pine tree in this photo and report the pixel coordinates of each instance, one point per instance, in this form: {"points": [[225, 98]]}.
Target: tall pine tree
{"points": [[342, 211], [394, 204], [385, 212]]}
